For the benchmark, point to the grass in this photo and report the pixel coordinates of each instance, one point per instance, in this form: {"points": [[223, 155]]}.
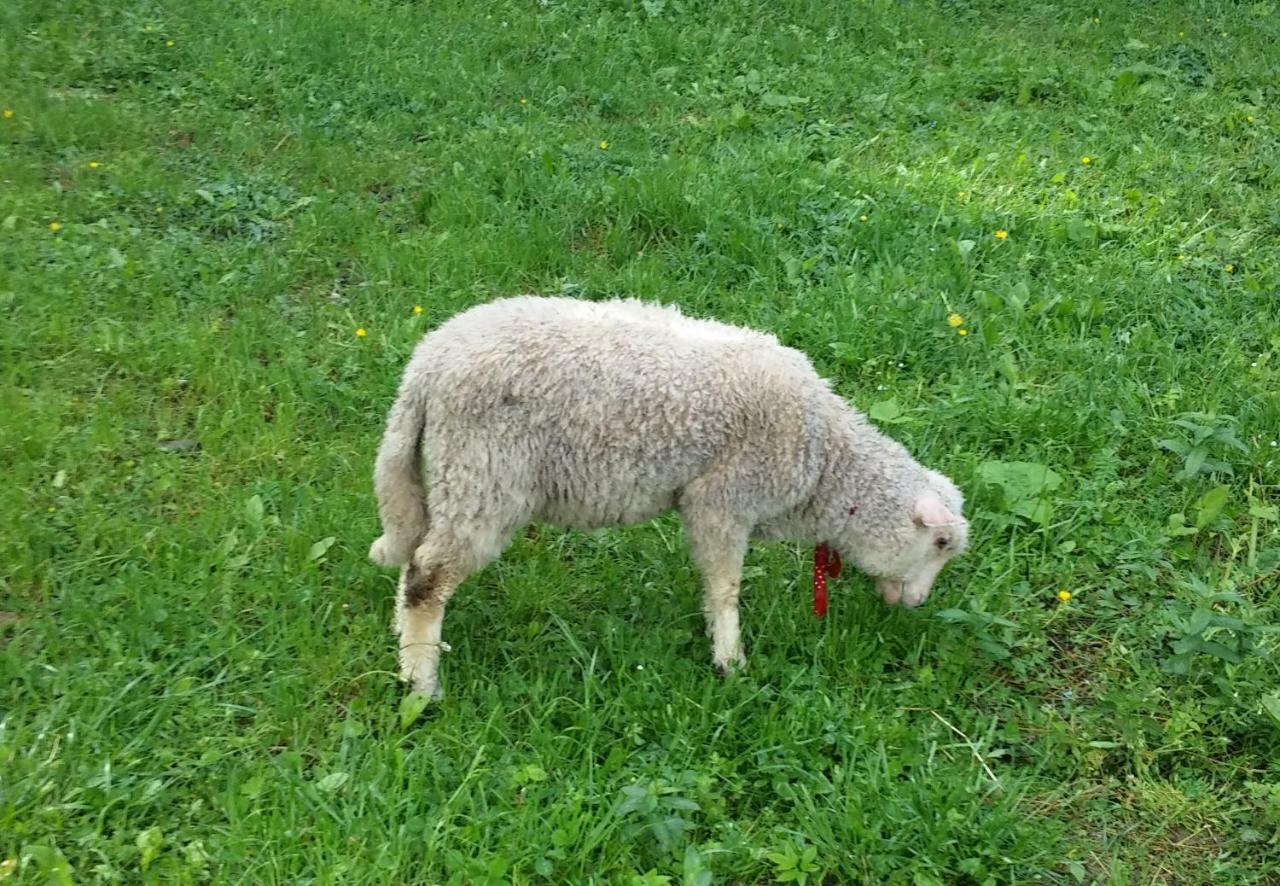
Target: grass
{"points": [[195, 658]]}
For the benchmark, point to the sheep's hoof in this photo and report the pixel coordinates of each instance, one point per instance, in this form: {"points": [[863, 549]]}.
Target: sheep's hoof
{"points": [[732, 666], [429, 691], [429, 688]]}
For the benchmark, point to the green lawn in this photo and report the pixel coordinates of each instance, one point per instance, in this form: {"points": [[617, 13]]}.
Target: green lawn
{"points": [[202, 202]]}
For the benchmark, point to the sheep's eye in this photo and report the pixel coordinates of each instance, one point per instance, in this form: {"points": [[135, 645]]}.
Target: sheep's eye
{"points": [[941, 543]]}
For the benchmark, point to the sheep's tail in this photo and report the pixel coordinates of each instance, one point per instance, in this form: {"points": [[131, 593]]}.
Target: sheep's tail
{"points": [[397, 479]]}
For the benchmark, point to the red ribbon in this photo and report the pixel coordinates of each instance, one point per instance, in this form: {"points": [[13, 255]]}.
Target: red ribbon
{"points": [[825, 562]]}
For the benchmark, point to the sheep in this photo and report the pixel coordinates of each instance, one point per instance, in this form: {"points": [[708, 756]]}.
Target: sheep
{"points": [[591, 414]]}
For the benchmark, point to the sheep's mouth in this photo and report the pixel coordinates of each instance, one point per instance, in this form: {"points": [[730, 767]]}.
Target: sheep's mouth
{"points": [[890, 590], [909, 594]]}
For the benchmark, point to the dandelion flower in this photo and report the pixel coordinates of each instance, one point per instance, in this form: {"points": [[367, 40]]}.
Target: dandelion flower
{"points": [[604, 144], [862, 218], [94, 164], [8, 113], [524, 101], [169, 43], [954, 320], [1086, 159], [1064, 596], [417, 309], [1229, 268], [962, 332], [1248, 118], [1002, 234], [55, 226], [361, 333]]}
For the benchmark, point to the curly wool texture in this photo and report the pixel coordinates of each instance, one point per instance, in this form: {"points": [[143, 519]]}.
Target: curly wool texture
{"points": [[591, 414]]}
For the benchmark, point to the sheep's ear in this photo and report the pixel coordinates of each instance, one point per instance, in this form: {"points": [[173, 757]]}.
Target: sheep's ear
{"points": [[930, 511]]}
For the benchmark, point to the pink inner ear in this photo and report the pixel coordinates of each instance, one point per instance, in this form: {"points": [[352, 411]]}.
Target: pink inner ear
{"points": [[930, 511]]}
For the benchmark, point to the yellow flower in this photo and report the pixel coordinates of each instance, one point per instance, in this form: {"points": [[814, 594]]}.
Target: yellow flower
{"points": [[169, 43], [8, 113], [417, 309], [604, 145], [1064, 596], [55, 226], [954, 320], [962, 332], [1248, 118], [94, 164], [360, 333], [524, 101], [1086, 159], [1002, 234], [1229, 268], [862, 218]]}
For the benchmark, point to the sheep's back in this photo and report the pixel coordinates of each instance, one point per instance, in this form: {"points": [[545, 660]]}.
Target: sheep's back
{"points": [[610, 408]]}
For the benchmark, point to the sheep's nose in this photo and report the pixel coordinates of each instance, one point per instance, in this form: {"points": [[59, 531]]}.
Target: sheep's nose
{"points": [[914, 595]]}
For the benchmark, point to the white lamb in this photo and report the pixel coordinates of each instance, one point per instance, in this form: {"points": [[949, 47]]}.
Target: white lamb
{"points": [[593, 414]]}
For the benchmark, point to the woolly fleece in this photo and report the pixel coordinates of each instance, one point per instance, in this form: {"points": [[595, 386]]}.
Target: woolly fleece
{"points": [[591, 414]]}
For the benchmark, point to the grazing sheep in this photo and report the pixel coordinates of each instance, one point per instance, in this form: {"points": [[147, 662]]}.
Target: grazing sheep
{"points": [[593, 414]]}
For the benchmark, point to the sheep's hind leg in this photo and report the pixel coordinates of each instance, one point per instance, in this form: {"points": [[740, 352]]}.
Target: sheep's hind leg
{"points": [[436, 569]]}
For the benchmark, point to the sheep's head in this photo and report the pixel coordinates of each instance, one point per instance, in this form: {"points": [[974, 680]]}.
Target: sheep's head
{"points": [[926, 530]]}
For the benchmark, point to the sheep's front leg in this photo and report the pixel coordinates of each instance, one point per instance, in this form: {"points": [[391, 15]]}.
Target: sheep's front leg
{"points": [[718, 549], [722, 616]]}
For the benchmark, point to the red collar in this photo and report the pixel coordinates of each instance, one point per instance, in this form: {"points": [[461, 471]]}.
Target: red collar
{"points": [[825, 562]]}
